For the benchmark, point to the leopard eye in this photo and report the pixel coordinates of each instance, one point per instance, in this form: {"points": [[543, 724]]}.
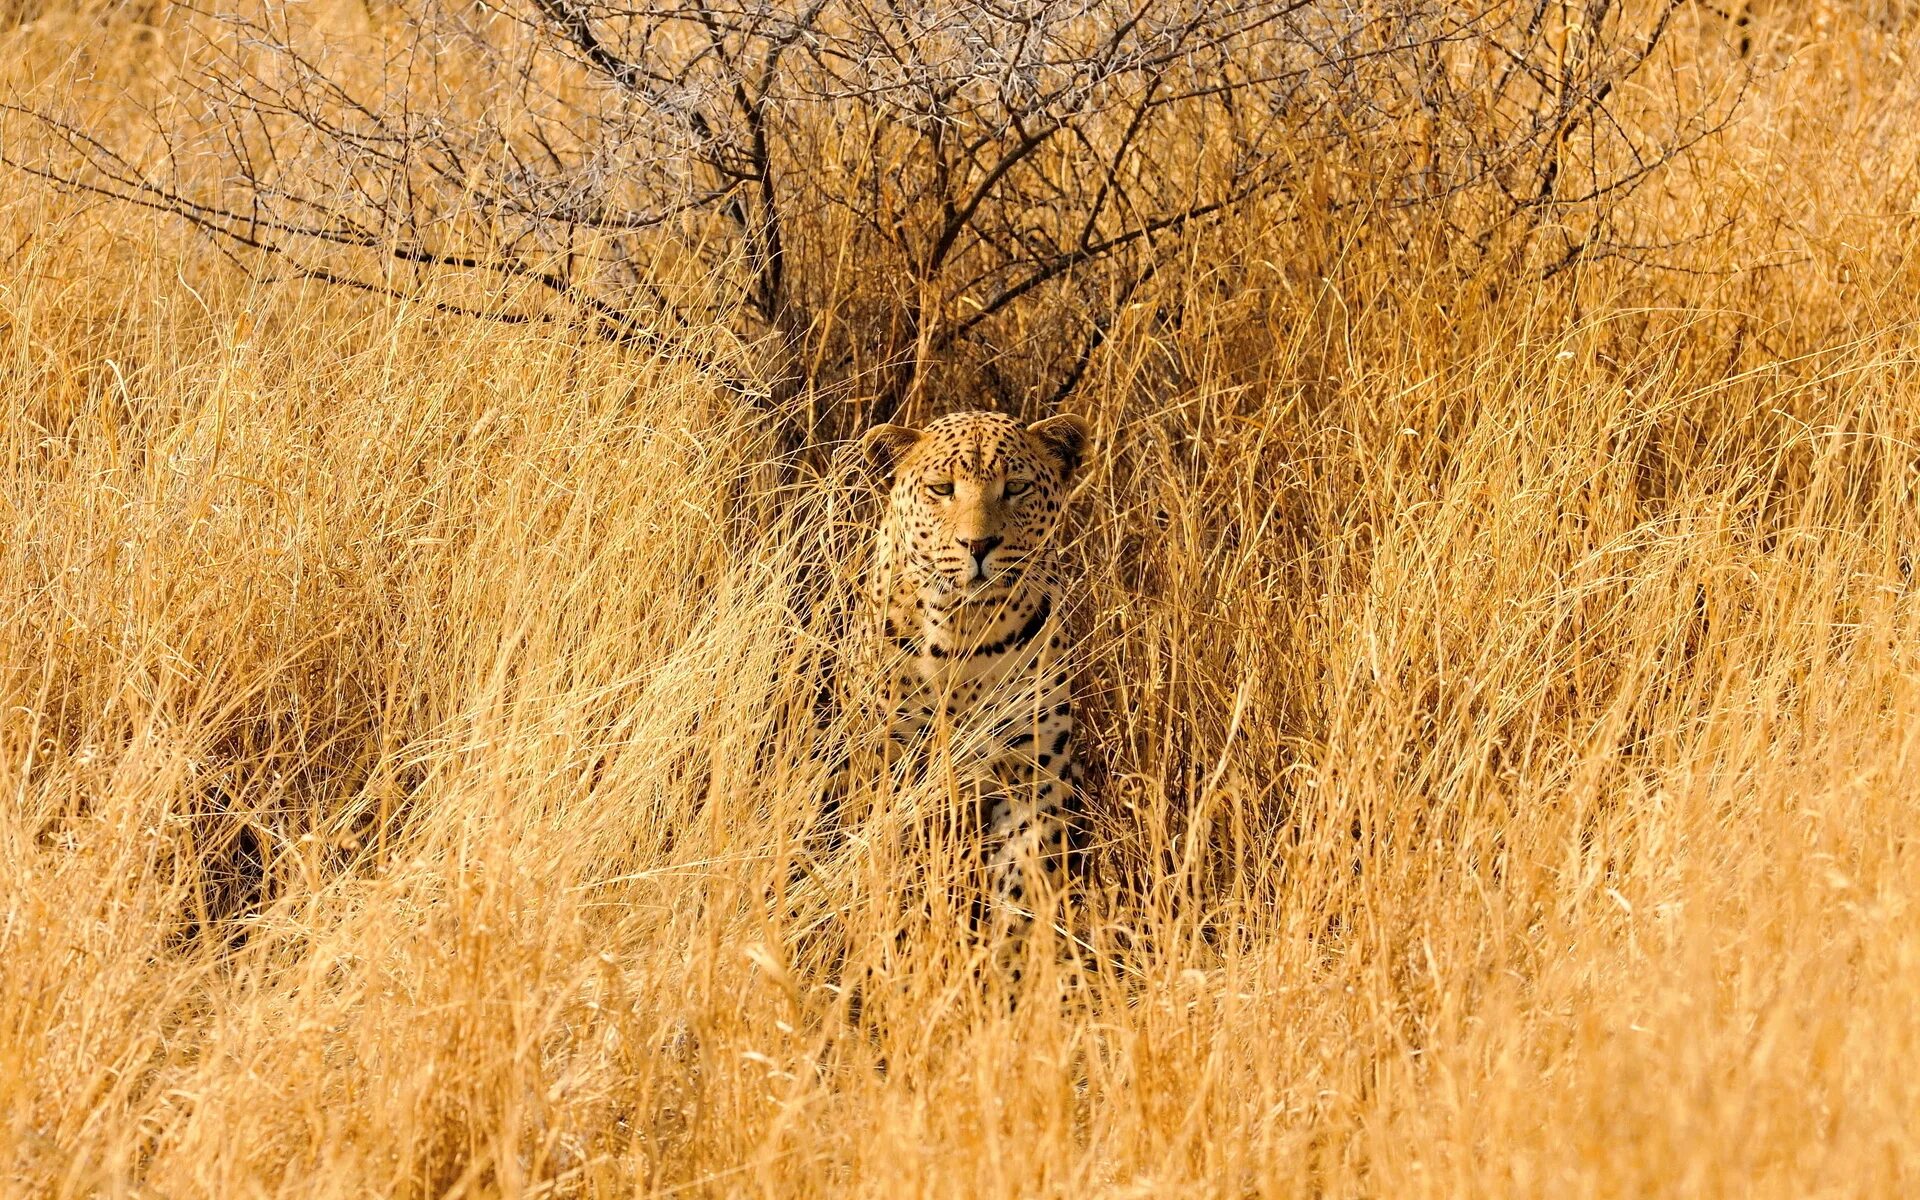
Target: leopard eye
{"points": [[1017, 487], [941, 489]]}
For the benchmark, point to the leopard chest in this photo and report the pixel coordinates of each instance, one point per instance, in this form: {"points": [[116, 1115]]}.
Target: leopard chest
{"points": [[1001, 688]]}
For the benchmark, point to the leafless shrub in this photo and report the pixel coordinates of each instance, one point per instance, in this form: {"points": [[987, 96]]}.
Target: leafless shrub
{"points": [[861, 189]]}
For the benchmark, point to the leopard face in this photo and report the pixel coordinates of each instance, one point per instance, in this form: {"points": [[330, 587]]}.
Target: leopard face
{"points": [[975, 501]]}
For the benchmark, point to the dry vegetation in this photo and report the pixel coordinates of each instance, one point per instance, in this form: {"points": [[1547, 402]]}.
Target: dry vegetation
{"points": [[1504, 687]]}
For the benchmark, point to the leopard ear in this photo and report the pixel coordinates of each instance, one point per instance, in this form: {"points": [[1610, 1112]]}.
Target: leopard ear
{"points": [[884, 446], [1066, 436]]}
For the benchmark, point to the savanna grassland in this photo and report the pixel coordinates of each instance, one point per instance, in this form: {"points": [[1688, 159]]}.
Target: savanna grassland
{"points": [[1502, 676]]}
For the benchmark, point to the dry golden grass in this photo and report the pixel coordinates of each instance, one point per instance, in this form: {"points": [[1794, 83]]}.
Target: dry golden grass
{"points": [[1507, 716]]}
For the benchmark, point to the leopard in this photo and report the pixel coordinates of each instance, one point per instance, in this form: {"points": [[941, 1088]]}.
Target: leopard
{"points": [[967, 592]]}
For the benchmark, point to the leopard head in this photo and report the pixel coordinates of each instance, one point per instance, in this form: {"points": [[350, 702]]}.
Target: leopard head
{"points": [[975, 499]]}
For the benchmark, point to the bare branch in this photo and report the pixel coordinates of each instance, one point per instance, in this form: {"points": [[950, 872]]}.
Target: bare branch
{"points": [[867, 189]]}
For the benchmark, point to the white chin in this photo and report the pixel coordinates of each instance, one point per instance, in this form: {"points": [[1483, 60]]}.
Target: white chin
{"points": [[950, 592]]}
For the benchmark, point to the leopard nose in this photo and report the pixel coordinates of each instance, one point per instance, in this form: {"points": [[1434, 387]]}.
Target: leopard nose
{"points": [[979, 547]]}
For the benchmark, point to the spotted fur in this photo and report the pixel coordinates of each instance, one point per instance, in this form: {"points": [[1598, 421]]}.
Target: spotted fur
{"points": [[967, 586]]}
